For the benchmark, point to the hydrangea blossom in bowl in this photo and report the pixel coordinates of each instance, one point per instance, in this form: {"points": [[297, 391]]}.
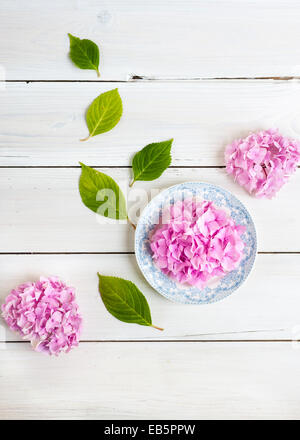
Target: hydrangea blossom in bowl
{"points": [[195, 243]]}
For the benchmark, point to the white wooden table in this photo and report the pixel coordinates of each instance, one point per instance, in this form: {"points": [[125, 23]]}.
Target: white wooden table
{"points": [[201, 72]]}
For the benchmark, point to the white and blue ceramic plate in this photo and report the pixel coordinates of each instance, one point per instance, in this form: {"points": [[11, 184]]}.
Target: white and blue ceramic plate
{"points": [[167, 286]]}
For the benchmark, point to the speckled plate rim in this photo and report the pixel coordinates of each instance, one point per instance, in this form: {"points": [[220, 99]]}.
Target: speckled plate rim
{"points": [[183, 300]]}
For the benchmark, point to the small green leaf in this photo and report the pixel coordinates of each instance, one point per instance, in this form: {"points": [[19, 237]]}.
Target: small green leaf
{"points": [[151, 161], [84, 53], [104, 113], [101, 194], [125, 301]]}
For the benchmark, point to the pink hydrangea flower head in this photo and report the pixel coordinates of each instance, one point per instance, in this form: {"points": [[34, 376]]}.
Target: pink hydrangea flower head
{"points": [[46, 313], [262, 162], [198, 243]]}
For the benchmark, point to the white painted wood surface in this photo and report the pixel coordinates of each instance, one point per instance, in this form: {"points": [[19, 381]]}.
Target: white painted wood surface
{"points": [[265, 307], [157, 380], [44, 228], [45, 214], [161, 38], [41, 123]]}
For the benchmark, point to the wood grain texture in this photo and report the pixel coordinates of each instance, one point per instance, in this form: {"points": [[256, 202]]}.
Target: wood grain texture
{"points": [[265, 307], [41, 123], [152, 381], [164, 38], [44, 212]]}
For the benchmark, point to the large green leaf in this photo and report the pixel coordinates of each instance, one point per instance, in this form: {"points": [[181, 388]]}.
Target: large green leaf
{"points": [[104, 113], [125, 301], [151, 161], [101, 194], [84, 53]]}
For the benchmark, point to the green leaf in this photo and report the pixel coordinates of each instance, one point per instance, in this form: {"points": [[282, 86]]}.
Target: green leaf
{"points": [[125, 301], [104, 113], [101, 194], [151, 161], [84, 53]]}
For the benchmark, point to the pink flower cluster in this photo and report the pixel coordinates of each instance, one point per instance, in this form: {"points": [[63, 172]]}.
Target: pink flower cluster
{"points": [[198, 243], [46, 313], [262, 162]]}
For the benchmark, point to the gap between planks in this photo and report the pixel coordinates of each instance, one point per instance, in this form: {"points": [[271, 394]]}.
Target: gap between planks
{"points": [[108, 166], [126, 167], [127, 253], [141, 78], [201, 341]]}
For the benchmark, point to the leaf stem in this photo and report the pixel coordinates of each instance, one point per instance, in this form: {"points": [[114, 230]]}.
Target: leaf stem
{"points": [[131, 183], [158, 328], [98, 73], [86, 139], [132, 224]]}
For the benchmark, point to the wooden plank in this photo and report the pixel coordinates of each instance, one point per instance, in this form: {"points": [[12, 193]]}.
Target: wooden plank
{"points": [[164, 38], [265, 307], [152, 381], [41, 123], [41, 211]]}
